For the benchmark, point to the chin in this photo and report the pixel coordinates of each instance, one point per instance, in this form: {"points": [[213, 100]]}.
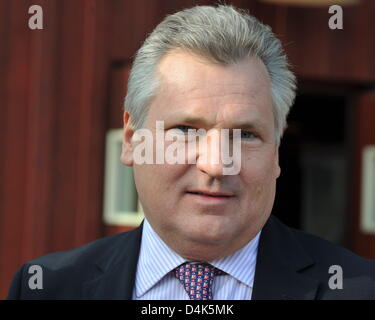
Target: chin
{"points": [[210, 237]]}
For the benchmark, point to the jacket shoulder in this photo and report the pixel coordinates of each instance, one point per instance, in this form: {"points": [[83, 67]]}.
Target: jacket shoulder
{"points": [[64, 272], [323, 251], [85, 254], [333, 262]]}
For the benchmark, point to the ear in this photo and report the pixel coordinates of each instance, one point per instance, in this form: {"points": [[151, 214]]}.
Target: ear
{"points": [[277, 166], [127, 146]]}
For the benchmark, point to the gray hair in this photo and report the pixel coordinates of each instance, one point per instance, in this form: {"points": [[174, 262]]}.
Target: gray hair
{"points": [[222, 34]]}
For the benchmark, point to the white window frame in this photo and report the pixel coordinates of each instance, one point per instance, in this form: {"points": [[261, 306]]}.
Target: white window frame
{"points": [[368, 190], [113, 165]]}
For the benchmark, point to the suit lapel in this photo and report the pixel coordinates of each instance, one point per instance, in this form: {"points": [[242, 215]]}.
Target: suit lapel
{"points": [[116, 270], [280, 262]]}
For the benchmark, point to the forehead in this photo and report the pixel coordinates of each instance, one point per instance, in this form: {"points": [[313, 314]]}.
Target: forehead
{"points": [[190, 85]]}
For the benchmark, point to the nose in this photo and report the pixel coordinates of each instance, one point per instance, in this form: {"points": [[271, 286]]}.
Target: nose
{"points": [[209, 157]]}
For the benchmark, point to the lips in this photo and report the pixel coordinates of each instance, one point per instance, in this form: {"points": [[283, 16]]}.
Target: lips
{"points": [[212, 194]]}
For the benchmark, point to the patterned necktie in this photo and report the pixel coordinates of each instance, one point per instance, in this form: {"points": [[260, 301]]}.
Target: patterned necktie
{"points": [[197, 279]]}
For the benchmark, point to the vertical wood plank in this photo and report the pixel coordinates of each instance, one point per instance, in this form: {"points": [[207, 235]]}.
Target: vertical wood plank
{"points": [[15, 129], [364, 135]]}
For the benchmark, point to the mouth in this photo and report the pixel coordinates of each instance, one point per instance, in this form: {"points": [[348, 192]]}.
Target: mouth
{"points": [[210, 194], [211, 200]]}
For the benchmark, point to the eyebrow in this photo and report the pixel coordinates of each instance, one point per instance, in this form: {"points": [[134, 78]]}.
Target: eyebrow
{"points": [[196, 121]]}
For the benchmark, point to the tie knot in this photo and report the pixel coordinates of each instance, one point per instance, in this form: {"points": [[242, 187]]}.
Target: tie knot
{"points": [[197, 279]]}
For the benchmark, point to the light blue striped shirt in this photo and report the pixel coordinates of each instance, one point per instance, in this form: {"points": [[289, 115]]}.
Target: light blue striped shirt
{"points": [[156, 281]]}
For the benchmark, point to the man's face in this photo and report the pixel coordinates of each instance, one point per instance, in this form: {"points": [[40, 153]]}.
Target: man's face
{"points": [[216, 97]]}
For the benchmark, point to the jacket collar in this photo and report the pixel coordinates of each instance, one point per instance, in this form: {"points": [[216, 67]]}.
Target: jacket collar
{"points": [[280, 264], [116, 269]]}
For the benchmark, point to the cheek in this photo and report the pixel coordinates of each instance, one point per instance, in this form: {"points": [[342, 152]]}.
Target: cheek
{"points": [[262, 162], [151, 186], [155, 181], [259, 174]]}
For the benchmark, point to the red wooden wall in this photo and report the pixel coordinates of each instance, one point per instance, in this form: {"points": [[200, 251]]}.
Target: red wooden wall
{"points": [[60, 91]]}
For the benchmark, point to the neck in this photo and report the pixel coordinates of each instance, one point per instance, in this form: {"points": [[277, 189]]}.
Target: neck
{"points": [[204, 251]]}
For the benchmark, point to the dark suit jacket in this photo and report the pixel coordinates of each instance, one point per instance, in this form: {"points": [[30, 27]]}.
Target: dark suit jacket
{"points": [[291, 264]]}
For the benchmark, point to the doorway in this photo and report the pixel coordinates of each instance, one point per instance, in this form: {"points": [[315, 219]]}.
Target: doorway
{"points": [[312, 189]]}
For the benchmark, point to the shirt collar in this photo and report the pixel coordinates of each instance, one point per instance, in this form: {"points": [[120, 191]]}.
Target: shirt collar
{"points": [[241, 263], [156, 260]]}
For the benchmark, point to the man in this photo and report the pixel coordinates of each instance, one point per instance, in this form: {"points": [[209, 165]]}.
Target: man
{"points": [[206, 234]]}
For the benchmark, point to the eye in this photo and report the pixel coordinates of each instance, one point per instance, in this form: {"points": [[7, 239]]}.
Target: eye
{"points": [[183, 128], [245, 135], [248, 135]]}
